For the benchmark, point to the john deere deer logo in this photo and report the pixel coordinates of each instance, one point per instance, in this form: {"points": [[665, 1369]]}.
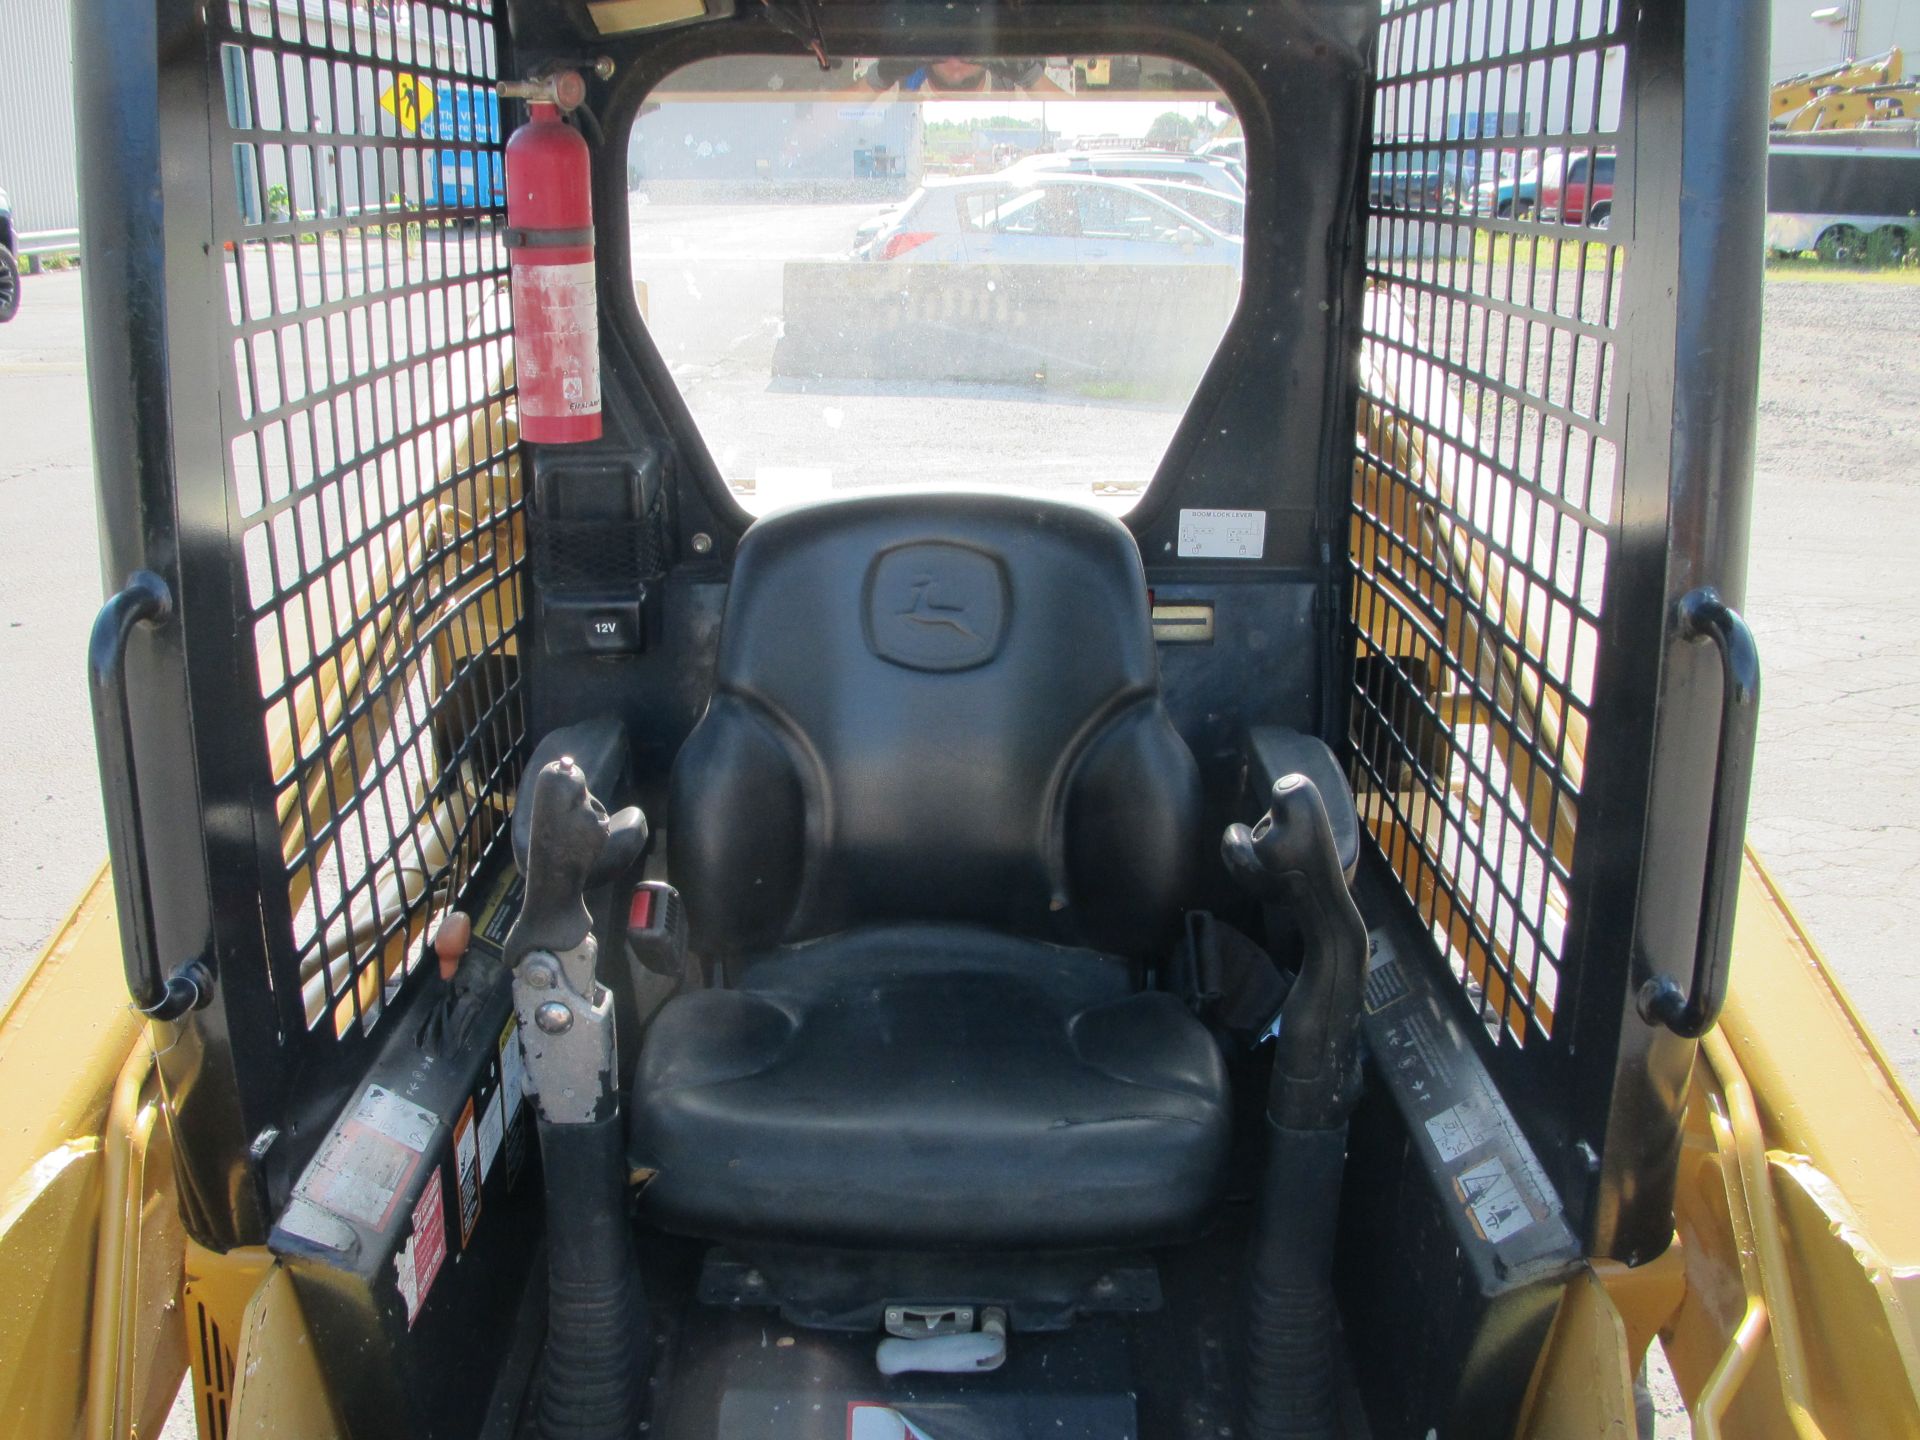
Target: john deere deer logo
{"points": [[935, 606], [928, 610]]}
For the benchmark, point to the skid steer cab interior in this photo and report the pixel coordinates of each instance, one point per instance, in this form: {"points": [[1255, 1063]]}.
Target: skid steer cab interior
{"points": [[843, 721]]}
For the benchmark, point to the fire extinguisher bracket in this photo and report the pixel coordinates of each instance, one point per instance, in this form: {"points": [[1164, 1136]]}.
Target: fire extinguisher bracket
{"points": [[518, 236], [565, 90]]}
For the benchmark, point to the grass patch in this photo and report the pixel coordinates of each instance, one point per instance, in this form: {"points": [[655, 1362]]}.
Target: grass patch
{"points": [[1122, 390], [1540, 252], [1810, 267]]}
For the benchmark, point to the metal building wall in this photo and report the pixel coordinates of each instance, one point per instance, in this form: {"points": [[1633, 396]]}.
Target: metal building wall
{"points": [[1801, 43], [36, 115]]}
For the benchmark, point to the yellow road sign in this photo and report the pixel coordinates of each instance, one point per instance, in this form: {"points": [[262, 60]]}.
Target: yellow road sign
{"points": [[409, 100]]}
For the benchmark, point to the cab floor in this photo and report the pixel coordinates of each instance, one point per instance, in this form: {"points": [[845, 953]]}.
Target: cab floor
{"points": [[1166, 1375]]}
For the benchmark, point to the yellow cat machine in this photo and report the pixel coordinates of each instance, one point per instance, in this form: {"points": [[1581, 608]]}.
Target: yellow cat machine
{"points": [[1093, 829], [1860, 92], [1843, 171]]}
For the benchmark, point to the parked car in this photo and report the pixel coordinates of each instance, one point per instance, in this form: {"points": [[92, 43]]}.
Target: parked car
{"points": [[1586, 197], [1137, 165], [1406, 182], [1232, 148], [885, 216], [1223, 212], [1047, 218], [1231, 152], [1512, 195], [9, 262]]}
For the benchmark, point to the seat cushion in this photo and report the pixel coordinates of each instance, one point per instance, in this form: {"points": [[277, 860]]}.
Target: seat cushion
{"points": [[931, 1086]]}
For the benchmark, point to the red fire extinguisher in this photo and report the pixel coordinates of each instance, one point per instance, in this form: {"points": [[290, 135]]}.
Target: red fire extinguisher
{"points": [[556, 317]]}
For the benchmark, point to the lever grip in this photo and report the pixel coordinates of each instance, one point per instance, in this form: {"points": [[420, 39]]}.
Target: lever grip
{"points": [[1290, 858], [574, 846]]}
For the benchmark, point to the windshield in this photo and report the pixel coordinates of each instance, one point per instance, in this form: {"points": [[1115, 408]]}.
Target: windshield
{"points": [[943, 272]]}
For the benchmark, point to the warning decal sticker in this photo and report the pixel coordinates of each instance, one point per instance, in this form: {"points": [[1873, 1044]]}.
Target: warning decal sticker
{"points": [[1493, 1200], [508, 1097], [314, 1225], [466, 1165], [491, 1129], [365, 1164], [513, 1074], [418, 1263], [501, 910], [396, 1118], [1458, 1129]]}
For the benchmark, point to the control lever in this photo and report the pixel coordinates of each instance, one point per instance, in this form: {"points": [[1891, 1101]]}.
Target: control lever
{"points": [[1290, 858], [597, 1343], [466, 975], [573, 846]]}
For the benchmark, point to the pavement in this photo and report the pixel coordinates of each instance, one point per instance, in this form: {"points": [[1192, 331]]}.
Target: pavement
{"points": [[1832, 592], [52, 837]]}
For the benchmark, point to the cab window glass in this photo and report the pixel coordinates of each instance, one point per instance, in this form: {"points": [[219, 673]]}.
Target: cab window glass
{"points": [[950, 271], [1118, 212], [982, 209], [1220, 212], [1032, 212]]}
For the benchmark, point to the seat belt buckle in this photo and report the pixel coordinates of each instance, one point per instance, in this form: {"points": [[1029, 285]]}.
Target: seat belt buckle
{"points": [[656, 929]]}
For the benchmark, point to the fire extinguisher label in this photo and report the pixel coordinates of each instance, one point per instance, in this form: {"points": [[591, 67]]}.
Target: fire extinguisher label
{"points": [[557, 330]]}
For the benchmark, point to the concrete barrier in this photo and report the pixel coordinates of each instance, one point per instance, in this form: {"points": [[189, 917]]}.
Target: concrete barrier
{"points": [[1118, 332]]}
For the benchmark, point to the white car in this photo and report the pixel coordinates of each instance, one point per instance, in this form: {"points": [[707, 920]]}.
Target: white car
{"points": [[1231, 152], [1221, 211], [1135, 165], [1047, 218]]}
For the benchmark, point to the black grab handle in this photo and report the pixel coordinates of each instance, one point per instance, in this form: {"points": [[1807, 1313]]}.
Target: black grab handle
{"points": [[1703, 615], [145, 600]]}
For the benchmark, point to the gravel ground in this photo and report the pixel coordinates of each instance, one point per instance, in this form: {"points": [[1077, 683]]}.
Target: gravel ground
{"points": [[1832, 595]]}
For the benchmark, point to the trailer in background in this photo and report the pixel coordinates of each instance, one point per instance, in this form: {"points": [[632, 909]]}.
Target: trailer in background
{"points": [[1846, 203]]}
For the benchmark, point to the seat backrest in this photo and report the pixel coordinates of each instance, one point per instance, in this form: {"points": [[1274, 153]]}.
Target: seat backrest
{"points": [[935, 707]]}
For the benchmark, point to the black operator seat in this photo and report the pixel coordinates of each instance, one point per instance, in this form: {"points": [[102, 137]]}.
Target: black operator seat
{"points": [[934, 822]]}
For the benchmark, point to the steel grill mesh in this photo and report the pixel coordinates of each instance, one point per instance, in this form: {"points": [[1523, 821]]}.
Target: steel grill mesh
{"points": [[1484, 486], [373, 465]]}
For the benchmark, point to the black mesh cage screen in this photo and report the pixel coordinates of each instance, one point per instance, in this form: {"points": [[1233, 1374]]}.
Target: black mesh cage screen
{"points": [[373, 466], [1484, 486]]}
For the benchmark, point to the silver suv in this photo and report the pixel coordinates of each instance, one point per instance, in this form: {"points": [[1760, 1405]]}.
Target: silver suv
{"points": [[1136, 165]]}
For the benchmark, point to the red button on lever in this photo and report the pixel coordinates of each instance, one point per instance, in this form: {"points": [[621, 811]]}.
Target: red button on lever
{"points": [[640, 914]]}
